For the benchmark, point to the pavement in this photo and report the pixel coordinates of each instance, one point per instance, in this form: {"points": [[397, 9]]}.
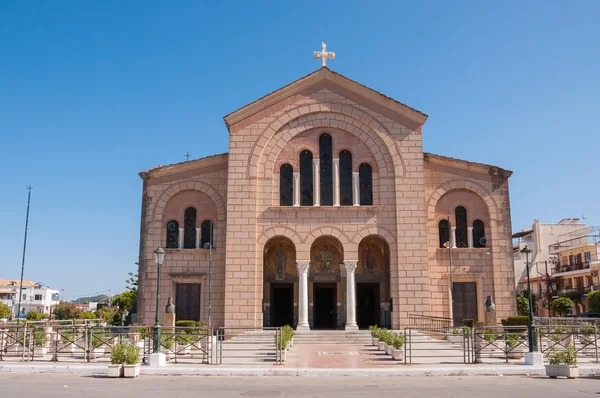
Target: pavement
{"points": [[77, 386]]}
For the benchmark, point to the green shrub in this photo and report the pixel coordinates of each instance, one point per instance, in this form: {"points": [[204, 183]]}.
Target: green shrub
{"points": [[88, 315], [520, 320], [117, 354], [593, 301], [188, 324], [287, 334], [398, 341], [131, 354], [488, 335], [387, 337], [522, 305], [5, 311], [34, 316], [373, 330], [567, 357], [562, 306], [513, 339]]}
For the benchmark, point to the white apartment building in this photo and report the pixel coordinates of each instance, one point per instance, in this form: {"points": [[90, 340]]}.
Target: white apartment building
{"points": [[35, 296], [538, 238]]}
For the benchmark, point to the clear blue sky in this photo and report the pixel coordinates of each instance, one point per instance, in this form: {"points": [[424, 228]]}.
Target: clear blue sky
{"points": [[91, 93]]}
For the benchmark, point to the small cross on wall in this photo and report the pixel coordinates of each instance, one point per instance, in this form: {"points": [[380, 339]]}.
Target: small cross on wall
{"points": [[187, 156], [323, 54]]}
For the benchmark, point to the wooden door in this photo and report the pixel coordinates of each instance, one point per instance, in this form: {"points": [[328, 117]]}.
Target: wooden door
{"points": [[464, 303], [187, 302]]}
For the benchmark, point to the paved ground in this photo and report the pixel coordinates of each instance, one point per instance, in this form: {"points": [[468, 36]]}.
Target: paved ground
{"points": [[74, 386]]}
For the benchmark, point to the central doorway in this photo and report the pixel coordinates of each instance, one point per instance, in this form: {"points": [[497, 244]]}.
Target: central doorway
{"points": [[367, 304], [282, 304], [325, 305]]}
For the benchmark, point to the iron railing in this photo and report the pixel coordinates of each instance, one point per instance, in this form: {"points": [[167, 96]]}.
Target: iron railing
{"points": [[423, 322]]}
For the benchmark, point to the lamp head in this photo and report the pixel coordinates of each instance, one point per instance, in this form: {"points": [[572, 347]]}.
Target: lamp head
{"points": [[159, 256]]}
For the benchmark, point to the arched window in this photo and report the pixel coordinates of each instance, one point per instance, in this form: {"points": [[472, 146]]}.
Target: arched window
{"points": [[206, 233], [346, 197], [326, 169], [286, 185], [366, 184], [306, 178], [444, 232], [172, 235], [478, 233], [462, 239], [189, 232]]}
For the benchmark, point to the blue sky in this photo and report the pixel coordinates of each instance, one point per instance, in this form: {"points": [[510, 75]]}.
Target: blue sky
{"points": [[91, 93]]}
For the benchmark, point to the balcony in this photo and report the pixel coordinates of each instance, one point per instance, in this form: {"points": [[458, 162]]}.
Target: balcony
{"points": [[571, 267], [589, 289]]}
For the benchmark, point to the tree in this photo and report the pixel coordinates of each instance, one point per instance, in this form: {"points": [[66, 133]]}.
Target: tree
{"points": [[562, 306], [132, 281], [523, 306], [65, 310], [593, 301], [525, 294], [5, 311]]}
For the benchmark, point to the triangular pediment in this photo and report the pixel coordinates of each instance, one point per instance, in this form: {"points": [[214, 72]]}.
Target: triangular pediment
{"points": [[325, 78]]}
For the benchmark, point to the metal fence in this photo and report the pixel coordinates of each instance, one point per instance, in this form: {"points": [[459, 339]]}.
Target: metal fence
{"points": [[92, 343]]}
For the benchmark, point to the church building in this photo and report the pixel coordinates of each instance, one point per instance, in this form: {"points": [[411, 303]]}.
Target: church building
{"points": [[326, 214]]}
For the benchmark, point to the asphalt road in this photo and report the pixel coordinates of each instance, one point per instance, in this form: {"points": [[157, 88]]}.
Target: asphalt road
{"points": [[78, 386]]}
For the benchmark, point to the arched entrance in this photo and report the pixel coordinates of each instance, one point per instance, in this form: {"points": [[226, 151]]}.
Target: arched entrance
{"points": [[280, 287], [373, 283], [325, 291]]}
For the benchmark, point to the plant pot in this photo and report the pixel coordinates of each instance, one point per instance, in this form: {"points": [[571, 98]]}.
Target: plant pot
{"points": [[380, 345], [454, 338], [388, 349], [283, 355], [131, 370], [397, 355], [115, 370], [568, 371], [374, 340]]}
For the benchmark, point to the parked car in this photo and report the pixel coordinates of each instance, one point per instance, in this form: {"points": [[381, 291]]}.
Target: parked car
{"points": [[589, 315]]}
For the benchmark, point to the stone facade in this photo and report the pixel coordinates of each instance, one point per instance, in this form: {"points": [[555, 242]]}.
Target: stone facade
{"points": [[382, 257]]}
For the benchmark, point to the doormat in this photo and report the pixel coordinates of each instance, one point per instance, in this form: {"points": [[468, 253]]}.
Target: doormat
{"points": [[329, 353]]}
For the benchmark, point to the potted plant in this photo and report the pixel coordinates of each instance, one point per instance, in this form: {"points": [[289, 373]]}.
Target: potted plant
{"points": [[457, 336], [513, 350], [562, 363], [374, 334], [131, 368], [117, 357], [380, 342], [398, 347], [388, 339]]}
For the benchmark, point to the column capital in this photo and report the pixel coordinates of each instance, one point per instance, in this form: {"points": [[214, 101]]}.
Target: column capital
{"points": [[350, 266], [302, 265]]}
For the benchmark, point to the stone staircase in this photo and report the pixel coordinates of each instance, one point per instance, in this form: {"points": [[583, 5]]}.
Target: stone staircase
{"points": [[355, 337]]}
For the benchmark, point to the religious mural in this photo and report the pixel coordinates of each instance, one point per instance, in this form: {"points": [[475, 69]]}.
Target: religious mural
{"points": [[280, 260], [373, 259]]}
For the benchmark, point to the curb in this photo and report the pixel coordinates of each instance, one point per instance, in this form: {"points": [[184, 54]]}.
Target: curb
{"points": [[518, 370]]}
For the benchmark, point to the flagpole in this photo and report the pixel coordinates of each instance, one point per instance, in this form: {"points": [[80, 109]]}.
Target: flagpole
{"points": [[23, 261]]}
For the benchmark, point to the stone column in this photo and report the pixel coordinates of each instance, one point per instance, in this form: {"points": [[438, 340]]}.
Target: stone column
{"points": [[316, 183], [197, 238], [336, 182], [350, 295], [470, 236], [181, 238], [453, 238], [303, 295], [356, 188], [296, 189]]}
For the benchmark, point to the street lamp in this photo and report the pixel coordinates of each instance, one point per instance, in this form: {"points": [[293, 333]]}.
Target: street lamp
{"points": [[530, 334], [159, 256]]}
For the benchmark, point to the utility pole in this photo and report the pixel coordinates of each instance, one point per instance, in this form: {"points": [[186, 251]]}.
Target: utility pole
{"points": [[23, 261]]}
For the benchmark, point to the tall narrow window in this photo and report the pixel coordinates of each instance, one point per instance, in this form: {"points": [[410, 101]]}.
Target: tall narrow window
{"points": [[306, 178], [189, 232], [462, 239], [366, 184], [444, 232], [326, 169], [172, 235], [478, 234], [346, 197], [206, 233], [286, 185]]}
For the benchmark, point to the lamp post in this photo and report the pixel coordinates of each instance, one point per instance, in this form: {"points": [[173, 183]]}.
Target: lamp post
{"points": [[159, 256], [530, 334]]}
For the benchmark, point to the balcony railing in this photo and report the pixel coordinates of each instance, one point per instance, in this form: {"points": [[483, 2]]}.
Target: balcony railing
{"points": [[571, 267]]}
